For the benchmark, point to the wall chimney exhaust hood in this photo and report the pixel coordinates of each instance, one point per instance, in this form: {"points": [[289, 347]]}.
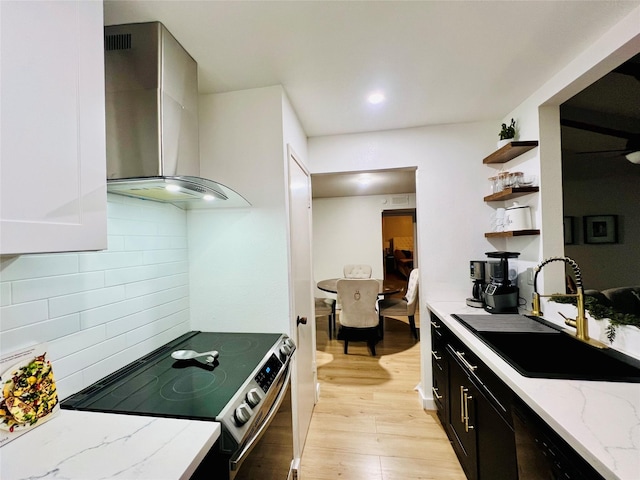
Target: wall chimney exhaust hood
{"points": [[152, 120]]}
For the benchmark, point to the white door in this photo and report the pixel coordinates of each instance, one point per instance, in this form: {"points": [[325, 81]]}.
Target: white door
{"points": [[303, 320]]}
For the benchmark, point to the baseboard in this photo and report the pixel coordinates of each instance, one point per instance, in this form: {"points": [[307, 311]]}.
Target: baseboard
{"points": [[427, 402]]}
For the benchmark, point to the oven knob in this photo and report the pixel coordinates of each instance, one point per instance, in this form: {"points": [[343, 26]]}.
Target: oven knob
{"points": [[243, 413], [253, 397], [285, 351]]}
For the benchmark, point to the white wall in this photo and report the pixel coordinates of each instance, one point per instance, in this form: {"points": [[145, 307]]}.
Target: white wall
{"points": [[450, 185], [606, 266], [348, 230], [99, 311], [239, 258]]}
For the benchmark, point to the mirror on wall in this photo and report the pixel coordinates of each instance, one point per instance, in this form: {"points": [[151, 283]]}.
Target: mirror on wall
{"points": [[600, 126]]}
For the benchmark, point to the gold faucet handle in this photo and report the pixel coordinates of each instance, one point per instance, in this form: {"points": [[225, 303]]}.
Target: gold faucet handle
{"points": [[568, 321]]}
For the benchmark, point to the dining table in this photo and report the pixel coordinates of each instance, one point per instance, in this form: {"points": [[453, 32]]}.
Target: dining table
{"points": [[387, 287]]}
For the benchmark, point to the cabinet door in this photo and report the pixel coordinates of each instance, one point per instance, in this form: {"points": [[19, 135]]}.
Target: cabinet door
{"points": [[496, 442], [462, 399], [440, 372], [52, 147]]}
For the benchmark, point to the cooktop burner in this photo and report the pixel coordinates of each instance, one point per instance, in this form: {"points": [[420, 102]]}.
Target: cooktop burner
{"points": [[158, 385]]}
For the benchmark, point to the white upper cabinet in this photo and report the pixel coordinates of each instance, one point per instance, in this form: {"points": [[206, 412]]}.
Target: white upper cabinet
{"points": [[52, 121]]}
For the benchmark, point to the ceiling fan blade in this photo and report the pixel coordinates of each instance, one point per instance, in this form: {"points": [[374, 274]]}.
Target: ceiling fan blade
{"points": [[621, 151]]}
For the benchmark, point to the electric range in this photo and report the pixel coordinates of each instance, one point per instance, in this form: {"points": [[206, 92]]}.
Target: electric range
{"points": [[239, 389]]}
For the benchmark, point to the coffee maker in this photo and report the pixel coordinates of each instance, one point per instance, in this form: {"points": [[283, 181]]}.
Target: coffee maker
{"points": [[501, 293], [479, 270]]}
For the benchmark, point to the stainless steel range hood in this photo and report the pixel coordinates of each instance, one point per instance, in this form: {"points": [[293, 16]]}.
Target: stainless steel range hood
{"points": [[152, 120]]}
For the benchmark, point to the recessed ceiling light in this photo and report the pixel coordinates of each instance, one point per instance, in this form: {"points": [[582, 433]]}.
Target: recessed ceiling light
{"points": [[376, 97]]}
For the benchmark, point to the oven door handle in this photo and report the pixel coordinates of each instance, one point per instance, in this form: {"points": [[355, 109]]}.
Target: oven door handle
{"points": [[238, 458]]}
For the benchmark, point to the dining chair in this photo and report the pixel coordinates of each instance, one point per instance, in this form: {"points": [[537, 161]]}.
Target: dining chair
{"points": [[402, 307], [326, 307], [357, 271], [358, 317]]}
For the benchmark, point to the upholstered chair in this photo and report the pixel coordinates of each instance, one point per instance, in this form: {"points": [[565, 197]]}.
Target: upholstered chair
{"points": [[402, 307], [358, 317], [357, 271]]}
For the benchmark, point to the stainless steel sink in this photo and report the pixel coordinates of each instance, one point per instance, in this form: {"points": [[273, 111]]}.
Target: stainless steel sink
{"points": [[551, 353]]}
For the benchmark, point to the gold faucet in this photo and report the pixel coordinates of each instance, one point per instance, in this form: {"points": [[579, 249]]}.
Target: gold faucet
{"points": [[580, 322]]}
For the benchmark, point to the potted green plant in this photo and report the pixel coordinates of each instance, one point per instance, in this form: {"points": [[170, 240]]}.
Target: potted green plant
{"points": [[507, 133]]}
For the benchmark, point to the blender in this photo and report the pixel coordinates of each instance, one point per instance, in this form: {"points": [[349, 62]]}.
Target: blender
{"points": [[501, 293]]}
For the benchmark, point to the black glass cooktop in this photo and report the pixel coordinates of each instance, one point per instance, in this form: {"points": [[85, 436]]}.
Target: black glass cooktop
{"points": [[158, 385]]}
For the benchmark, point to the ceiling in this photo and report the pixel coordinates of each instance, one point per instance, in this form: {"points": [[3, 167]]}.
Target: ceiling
{"points": [[437, 62], [598, 122]]}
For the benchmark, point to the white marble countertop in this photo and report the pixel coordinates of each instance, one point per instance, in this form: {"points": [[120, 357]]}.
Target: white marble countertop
{"points": [[90, 446], [600, 420]]}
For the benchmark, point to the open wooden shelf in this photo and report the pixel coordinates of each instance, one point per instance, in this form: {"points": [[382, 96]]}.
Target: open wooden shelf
{"points": [[514, 233], [510, 151], [509, 193]]}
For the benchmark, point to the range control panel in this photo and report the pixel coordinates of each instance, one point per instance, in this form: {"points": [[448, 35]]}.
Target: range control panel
{"points": [[268, 373]]}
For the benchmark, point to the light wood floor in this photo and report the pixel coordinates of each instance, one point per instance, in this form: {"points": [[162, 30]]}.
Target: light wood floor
{"points": [[369, 423]]}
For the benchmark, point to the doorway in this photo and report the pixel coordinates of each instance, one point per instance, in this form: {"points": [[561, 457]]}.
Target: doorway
{"points": [[399, 250]]}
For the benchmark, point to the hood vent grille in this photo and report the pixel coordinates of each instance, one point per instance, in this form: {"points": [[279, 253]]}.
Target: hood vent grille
{"points": [[117, 42]]}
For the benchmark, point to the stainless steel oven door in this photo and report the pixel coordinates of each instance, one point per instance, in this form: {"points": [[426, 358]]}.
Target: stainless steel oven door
{"points": [[269, 454]]}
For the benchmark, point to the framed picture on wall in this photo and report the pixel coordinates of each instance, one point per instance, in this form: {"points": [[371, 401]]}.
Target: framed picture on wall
{"points": [[568, 231], [601, 229]]}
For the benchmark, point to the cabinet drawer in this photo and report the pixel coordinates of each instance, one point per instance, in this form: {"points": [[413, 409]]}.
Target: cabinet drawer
{"points": [[496, 391]]}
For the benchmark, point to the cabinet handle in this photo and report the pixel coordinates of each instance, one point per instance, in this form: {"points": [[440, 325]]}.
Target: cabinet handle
{"points": [[435, 355], [467, 397], [435, 393], [462, 392], [460, 355], [435, 325]]}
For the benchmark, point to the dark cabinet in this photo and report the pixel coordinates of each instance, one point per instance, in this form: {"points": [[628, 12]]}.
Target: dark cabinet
{"points": [[474, 407], [440, 386]]}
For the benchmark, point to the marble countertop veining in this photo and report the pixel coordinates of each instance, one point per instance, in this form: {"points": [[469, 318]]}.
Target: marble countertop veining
{"points": [[91, 446], [600, 420]]}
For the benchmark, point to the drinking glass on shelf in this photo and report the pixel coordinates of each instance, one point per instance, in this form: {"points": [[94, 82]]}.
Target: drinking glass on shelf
{"points": [[503, 180]]}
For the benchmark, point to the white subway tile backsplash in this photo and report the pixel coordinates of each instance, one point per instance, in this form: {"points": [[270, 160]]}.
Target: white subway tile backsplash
{"points": [[89, 262], [37, 266], [101, 315], [15, 316], [122, 226], [149, 315], [115, 243], [89, 356], [40, 332], [5, 294], [146, 287], [78, 302], [164, 256], [155, 243], [48, 287], [137, 273], [149, 330], [99, 311], [70, 344]]}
